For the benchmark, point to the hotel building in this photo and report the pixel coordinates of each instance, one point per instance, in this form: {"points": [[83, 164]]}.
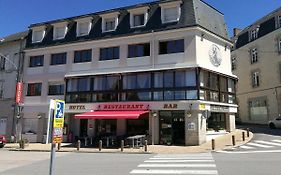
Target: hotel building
{"points": [[160, 69]]}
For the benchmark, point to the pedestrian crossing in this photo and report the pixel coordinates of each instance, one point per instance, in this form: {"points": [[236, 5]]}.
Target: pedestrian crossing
{"points": [[192, 164], [256, 144]]}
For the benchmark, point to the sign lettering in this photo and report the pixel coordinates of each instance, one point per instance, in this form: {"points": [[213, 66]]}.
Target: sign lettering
{"points": [[77, 107], [170, 106], [19, 92], [58, 121], [133, 106]]}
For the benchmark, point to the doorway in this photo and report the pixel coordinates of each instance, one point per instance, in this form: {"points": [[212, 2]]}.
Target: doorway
{"points": [[83, 127], [172, 130]]}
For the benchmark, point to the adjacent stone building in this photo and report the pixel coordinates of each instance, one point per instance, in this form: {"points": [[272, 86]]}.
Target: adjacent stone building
{"points": [[11, 59], [256, 60]]}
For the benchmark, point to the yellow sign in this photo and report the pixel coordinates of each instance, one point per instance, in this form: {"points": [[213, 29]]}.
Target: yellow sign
{"points": [[58, 121], [59, 114], [202, 106]]}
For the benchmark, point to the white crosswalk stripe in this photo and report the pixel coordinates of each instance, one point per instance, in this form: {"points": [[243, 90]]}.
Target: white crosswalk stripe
{"points": [[203, 164], [246, 147], [268, 143], [259, 145], [276, 141]]}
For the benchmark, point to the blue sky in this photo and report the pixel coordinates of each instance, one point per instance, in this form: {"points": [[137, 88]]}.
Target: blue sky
{"points": [[17, 15]]}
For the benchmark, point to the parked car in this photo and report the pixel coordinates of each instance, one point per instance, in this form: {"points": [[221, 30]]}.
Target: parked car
{"points": [[275, 123], [3, 141]]}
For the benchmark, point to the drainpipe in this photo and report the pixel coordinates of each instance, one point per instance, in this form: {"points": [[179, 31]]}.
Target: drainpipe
{"points": [[277, 101]]}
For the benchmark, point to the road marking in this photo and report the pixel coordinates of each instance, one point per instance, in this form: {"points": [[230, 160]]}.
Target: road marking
{"points": [[246, 147], [249, 152], [148, 171], [276, 141], [268, 143], [176, 161], [259, 145], [177, 165], [184, 155], [179, 158]]}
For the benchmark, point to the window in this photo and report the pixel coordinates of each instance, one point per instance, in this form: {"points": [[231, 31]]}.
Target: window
{"points": [[36, 61], [231, 85], [254, 55], [139, 50], [233, 63], [82, 56], [1, 89], [30, 125], [168, 79], [254, 34], [279, 46], [56, 89], [59, 32], [37, 36], [2, 63], [83, 28], [34, 89], [109, 53], [103, 83], [279, 21], [78, 85], [174, 46], [170, 13], [258, 109], [139, 81], [58, 58], [255, 79], [109, 24]]}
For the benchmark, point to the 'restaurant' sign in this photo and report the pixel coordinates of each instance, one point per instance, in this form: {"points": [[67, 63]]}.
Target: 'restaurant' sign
{"points": [[19, 92], [123, 106]]}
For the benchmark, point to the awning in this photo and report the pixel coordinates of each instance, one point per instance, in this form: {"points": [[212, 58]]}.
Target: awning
{"points": [[111, 115]]}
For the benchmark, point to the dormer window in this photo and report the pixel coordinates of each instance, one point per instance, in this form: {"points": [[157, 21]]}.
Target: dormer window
{"points": [[83, 26], [254, 34], [170, 12], [38, 34], [138, 17], [60, 31], [109, 22]]}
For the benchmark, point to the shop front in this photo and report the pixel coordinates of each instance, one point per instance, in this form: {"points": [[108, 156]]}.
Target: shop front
{"points": [[165, 123]]}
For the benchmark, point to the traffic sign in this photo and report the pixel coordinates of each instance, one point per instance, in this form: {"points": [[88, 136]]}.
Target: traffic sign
{"points": [[59, 114]]}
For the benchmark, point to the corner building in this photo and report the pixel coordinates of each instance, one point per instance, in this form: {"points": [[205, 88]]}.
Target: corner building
{"points": [[160, 69]]}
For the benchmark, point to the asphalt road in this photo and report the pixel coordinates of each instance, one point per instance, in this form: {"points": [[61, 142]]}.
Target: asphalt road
{"points": [[241, 161]]}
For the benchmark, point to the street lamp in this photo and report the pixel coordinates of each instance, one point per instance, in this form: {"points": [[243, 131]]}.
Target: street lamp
{"points": [[17, 106]]}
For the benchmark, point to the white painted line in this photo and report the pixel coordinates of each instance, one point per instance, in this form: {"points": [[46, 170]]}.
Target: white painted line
{"points": [[177, 165], [276, 141], [259, 145], [268, 143], [210, 172], [246, 147], [175, 161], [249, 152], [179, 158], [183, 155]]}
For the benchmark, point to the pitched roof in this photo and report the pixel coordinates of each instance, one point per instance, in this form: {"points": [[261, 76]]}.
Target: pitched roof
{"points": [[14, 37]]}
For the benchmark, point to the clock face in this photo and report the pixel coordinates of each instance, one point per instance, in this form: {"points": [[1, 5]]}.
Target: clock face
{"points": [[215, 55]]}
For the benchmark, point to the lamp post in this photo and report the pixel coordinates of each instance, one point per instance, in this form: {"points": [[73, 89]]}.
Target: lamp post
{"points": [[17, 105]]}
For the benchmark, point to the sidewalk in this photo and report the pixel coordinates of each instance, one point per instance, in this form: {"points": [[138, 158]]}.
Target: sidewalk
{"points": [[222, 141]]}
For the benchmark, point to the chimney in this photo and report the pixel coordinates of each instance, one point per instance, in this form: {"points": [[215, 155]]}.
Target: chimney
{"points": [[236, 31]]}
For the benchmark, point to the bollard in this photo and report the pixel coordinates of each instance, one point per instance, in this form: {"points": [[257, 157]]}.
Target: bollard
{"points": [[243, 136], [213, 144], [233, 140], [85, 141], [145, 145], [122, 145], [78, 145], [91, 141], [100, 145], [59, 146], [248, 132]]}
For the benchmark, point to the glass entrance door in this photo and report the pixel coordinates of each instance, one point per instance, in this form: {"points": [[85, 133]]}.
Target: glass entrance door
{"points": [[172, 130]]}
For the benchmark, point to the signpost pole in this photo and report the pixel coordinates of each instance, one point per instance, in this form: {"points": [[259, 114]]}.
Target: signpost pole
{"points": [[53, 153]]}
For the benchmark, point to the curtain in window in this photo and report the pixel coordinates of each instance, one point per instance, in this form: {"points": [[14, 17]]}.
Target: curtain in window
{"points": [[171, 14]]}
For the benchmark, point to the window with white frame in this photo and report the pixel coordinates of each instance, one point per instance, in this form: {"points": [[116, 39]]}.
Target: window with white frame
{"points": [[255, 79], [109, 24], [38, 35], [233, 63], [279, 45], [279, 21], [254, 34], [170, 12], [1, 89], [254, 55], [138, 17], [59, 32], [2, 63], [83, 28]]}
